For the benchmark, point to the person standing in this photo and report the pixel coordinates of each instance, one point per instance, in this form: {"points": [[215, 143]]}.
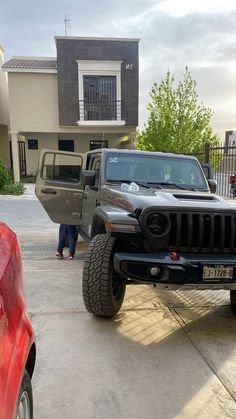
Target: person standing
{"points": [[67, 231]]}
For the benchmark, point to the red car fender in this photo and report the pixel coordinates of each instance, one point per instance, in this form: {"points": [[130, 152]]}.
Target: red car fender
{"points": [[17, 340], [25, 341]]}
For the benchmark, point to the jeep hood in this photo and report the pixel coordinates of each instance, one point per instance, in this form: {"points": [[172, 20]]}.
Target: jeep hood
{"points": [[176, 199]]}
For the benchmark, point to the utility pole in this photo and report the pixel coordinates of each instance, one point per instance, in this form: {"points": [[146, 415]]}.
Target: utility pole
{"points": [[66, 22]]}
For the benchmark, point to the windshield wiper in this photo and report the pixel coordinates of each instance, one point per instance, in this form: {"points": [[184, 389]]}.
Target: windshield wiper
{"points": [[171, 184], [155, 185]]}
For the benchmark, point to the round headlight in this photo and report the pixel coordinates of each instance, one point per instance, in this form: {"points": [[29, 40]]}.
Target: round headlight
{"points": [[157, 224]]}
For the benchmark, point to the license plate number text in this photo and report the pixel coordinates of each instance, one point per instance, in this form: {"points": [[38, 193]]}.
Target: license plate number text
{"points": [[217, 272]]}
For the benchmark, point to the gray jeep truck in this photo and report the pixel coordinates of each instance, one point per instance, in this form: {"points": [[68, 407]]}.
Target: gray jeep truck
{"points": [[150, 218]]}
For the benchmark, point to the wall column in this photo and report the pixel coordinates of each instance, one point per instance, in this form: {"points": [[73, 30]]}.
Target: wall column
{"points": [[15, 155], [133, 140]]}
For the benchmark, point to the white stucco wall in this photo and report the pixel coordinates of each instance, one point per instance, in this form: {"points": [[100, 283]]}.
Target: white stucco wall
{"points": [[4, 145], [4, 114], [4, 103], [33, 102]]}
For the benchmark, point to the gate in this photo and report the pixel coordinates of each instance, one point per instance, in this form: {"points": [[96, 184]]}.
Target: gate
{"points": [[223, 162], [22, 158]]}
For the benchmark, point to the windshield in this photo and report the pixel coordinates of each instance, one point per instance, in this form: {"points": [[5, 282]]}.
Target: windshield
{"points": [[160, 170]]}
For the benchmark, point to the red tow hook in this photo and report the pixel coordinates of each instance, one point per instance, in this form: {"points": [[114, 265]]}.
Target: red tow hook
{"points": [[174, 256]]}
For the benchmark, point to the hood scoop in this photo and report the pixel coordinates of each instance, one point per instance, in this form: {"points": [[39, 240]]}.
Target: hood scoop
{"points": [[194, 197]]}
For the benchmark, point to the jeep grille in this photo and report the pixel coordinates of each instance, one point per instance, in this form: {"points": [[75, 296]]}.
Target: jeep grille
{"points": [[201, 232]]}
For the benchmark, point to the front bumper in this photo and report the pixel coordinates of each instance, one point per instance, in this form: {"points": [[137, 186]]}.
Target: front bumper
{"points": [[186, 272]]}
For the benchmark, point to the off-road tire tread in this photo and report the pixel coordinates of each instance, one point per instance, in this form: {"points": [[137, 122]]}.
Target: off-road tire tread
{"points": [[97, 278]]}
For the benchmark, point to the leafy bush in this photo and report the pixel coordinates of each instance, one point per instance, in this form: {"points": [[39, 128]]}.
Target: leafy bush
{"points": [[7, 184], [12, 188], [4, 175]]}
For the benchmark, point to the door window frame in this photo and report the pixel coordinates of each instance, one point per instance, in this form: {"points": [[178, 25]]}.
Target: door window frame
{"points": [[94, 159]]}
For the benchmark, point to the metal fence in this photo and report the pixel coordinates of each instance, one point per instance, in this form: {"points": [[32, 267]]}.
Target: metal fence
{"points": [[223, 162]]}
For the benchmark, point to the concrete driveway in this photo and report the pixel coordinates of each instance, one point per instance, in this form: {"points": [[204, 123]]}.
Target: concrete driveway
{"points": [[166, 355]]}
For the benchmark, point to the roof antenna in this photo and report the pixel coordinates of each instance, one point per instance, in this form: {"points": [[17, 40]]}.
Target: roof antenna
{"points": [[66, 22]]}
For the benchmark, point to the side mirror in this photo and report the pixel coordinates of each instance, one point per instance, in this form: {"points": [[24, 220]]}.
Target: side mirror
{"points": [[212, 185], [88, 177], [208, 172]]}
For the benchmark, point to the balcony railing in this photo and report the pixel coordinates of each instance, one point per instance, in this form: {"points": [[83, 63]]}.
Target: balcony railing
{"points": [[100, 110]]}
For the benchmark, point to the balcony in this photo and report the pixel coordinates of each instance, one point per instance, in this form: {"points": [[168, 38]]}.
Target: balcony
{"points": [[100, 112]]}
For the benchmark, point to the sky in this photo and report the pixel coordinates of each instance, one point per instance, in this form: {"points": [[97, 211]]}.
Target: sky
{"points": [[173, 34]]}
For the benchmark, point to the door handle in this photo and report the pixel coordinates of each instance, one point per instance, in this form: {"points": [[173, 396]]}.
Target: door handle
{"points": [[49, 191]]}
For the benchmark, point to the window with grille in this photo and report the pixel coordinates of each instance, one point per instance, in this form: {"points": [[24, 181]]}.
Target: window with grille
{"points": [[93, 145], [100, 101]]}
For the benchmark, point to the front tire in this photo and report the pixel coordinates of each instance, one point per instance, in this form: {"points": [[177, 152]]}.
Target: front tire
{"points": [[233, 300], [24, 409], [103, 290]]}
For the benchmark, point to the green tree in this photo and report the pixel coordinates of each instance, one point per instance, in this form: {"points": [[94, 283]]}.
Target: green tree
{"points": [[177, 122]]}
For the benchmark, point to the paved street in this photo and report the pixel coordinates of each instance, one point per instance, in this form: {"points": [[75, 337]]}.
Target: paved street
{"points": [[166, 355]]}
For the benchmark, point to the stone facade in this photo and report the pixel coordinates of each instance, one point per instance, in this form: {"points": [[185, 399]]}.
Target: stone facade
{"points": [[69, 50]]}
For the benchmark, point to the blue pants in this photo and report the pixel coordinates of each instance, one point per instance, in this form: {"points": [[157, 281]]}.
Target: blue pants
{"points": [[70, 231]]}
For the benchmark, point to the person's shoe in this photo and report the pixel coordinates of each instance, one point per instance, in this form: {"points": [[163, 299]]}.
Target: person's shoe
{"points": [[59, 254], [71, 257]]}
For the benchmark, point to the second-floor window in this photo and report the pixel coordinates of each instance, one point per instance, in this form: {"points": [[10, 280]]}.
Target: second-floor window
{"points": [[100, 102], [99, 91]]}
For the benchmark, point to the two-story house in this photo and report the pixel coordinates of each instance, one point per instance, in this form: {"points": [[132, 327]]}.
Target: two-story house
{"points": [[85, 98]]}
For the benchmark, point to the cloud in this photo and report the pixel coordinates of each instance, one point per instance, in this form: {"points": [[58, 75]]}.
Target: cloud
{"points": [[174, 33], [184, 7]]}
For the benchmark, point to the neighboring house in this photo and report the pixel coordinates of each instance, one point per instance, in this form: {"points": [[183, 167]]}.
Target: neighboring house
{"points": [[227, 155], [4, 114], [230, 138], [85, 98]]}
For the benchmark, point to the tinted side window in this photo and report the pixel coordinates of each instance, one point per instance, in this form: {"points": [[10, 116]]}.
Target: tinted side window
{"points": [[60, 167], [95, 165], [89, 157]]}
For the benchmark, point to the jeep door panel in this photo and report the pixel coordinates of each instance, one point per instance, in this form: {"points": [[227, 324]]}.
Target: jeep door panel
{"points": [[90, 196], [59, 185]]}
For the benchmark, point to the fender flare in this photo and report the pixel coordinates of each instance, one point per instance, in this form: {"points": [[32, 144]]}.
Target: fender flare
{"points": [[111, 217]]}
